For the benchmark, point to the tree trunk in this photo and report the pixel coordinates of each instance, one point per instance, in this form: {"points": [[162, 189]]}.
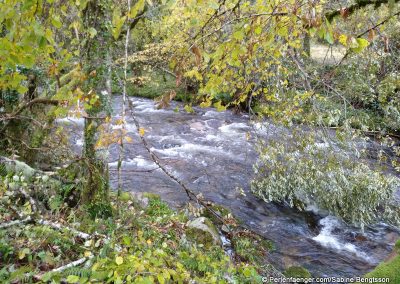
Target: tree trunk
{"points": [[307, 44], [96, 61]]}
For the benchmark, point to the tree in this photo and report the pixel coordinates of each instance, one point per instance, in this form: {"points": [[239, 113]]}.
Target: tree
{"points": [[251, 52]]}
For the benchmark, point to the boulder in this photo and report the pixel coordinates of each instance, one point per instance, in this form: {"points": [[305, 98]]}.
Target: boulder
{"points": [[202, 230], [140, 199]]}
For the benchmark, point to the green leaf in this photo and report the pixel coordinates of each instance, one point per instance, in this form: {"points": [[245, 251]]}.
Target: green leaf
{"points": [[343, 39], [160, 278], [188, 108], [56, 22], [22, 89], [136, 9], [92, 32], [239, 35], [118, 22], [362, 44], [73, 279], [247, 272], [219, 106], [329, 37], [213, 5], [119, 260]]}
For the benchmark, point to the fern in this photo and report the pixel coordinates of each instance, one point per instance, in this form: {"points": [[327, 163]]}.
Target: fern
{"points": [[78, 271], [21, 275], [3, 170]]}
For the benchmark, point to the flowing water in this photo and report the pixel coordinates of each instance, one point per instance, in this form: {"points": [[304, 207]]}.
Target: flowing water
{"points": [[213, 153]]}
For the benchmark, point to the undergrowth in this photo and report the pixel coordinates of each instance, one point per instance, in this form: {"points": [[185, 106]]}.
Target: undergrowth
{"points": [[132, 245]]}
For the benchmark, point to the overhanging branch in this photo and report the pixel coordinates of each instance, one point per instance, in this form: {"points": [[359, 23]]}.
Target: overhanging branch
{"points": [[357, 6]]}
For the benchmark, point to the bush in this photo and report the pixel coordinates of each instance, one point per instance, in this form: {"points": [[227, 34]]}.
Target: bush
{"points": [[307, 173]]}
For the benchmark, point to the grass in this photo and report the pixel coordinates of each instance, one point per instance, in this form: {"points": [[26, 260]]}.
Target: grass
{"points": [[388, 269]]}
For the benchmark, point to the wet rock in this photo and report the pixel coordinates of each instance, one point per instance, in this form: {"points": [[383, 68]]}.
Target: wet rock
{"points": [[197, 126], [360, 238], [202, 230]]}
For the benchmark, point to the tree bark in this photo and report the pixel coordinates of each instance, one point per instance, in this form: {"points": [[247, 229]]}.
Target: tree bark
{"points": [[357, 6], [97, 56]]}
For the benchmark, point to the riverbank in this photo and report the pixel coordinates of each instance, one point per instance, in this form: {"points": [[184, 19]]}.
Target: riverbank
{"points": [[389, 268], [213, 154], [44, 237], [141, 241]]}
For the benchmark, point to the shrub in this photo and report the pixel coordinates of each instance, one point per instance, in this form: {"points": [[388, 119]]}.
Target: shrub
{"points": [[330, 176]]}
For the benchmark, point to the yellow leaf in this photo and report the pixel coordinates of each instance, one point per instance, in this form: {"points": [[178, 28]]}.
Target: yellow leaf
{"points": [[119, 260], [21, 254], [188, 108], [343, 39], [160, 279], [141, 131], [136, 9], [72, 279], [206, 103], [87, 253]]}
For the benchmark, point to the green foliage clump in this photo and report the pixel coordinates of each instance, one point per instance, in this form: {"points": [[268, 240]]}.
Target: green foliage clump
{"points": [[371, 100], [99, 210], [330, 176], [133, 245], [249, 247], [388, 269], [157, 85], [297, 272]]}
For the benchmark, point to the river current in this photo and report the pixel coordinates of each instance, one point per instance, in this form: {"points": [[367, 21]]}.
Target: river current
{"points": [[213, 153]]}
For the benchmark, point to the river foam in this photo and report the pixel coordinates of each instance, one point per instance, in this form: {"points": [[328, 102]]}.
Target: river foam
{"points": [[327, 238]]}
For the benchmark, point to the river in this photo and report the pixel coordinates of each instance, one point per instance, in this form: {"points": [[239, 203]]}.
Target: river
{"points": [[213, 153]]}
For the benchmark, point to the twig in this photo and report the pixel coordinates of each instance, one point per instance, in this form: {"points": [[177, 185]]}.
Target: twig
{"points": [[348, 52], [59, 227], [15, 222], [72, 264]]}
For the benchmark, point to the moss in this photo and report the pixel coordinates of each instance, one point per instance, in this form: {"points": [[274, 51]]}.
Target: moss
{"points": [[388, 269], [198, 236], [150, 195], [297, 272], [203, 231], [397, 246], [3, 170], [125, 196]]}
